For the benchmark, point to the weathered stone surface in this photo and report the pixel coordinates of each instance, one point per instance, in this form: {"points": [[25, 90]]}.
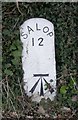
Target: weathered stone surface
{"points": [[38, 58]]}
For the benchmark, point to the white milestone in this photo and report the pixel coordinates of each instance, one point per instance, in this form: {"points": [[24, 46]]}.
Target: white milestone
{"points": [[38, 58]]}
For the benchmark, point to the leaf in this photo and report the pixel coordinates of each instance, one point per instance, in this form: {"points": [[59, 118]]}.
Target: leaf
{"points": [[13, 47], [63, 89], [8, 72], [15, 61], [73, 81], [16, 53], [6, 32]]}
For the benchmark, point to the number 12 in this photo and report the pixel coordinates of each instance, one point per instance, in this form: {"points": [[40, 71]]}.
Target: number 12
{"points": [[40, 42]]}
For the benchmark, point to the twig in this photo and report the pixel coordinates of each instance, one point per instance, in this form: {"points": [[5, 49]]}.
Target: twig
{"points": [[20, 87], [7, 93], [9, 99], [7, 13], [21, 91], [72, 115], [14, 108], [14, 97], [16, 23], [18, 7]]}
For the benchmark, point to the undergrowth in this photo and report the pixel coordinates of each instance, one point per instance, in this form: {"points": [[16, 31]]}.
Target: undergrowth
{"points": [[64, 17]]}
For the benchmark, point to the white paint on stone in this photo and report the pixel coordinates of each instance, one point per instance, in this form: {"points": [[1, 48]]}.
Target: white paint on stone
{"points": [[38, 58]]}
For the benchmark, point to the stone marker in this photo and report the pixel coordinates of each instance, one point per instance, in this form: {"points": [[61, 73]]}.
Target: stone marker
{"points": [[38, 58]]}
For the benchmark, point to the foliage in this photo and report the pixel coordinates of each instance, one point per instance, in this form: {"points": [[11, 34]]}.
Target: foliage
{"points": [[64, 17]]}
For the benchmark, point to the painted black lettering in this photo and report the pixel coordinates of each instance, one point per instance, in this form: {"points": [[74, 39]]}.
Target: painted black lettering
{"points": [[24, 35], [41, 91], [40, 75], [30, 29], [50, 34], [45, 29], [32, 41], [41, 40], [34, 87], [37, 28]]}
